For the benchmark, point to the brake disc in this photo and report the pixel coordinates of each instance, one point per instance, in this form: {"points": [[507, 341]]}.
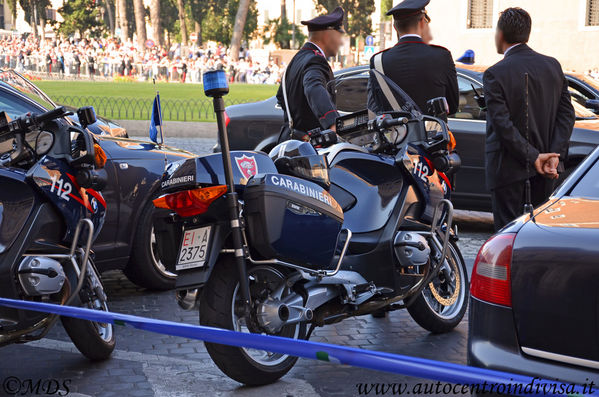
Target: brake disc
{"points": [[447, 301]]}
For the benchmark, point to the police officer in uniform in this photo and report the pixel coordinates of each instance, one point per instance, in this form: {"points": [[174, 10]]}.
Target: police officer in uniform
{"points": [[307, 82], [422, 70]]}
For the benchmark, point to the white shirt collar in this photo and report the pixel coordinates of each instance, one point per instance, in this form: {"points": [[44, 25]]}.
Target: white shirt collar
{"points": [[319, 49], [508, 50], [411, 35]]}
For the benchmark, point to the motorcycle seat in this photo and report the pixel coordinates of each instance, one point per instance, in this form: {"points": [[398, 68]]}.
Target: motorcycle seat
{"points": [[332, 151]]}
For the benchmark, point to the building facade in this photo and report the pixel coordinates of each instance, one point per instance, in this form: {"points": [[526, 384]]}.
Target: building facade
{"points": [[565, 29]]}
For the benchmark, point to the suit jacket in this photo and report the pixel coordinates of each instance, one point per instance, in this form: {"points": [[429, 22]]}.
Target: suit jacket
{"points": [[423, 71], [550, 114], [310, 94]]}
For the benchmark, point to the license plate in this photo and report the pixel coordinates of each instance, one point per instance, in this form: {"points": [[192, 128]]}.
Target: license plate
{"points": [[194, 248]]}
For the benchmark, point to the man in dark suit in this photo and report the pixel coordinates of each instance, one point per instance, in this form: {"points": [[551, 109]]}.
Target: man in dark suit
{"points": [[524, 145], [423, 71], [306, 82]]}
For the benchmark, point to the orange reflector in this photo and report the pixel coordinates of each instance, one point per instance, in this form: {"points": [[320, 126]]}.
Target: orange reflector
{"points": [[99, 156], [452, 142], [190, 202]]}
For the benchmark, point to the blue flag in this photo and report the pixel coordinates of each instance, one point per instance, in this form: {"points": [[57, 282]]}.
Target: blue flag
{"points": [[156, 120]]}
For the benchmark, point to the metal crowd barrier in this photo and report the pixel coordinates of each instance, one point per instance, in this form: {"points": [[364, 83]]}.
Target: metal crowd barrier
{"points": [[387, 362], [123, 108]]}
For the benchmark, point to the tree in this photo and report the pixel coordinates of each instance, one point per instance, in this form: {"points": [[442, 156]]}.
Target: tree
{"points": [[386, 5], [35, 12], [357, 21], [158, 35], [169, 17], [80, 16], [140, 22], [281, 33], [182, 23], [242, 13], [110, 12], [220, 19], [122, 18], [198, 10]]}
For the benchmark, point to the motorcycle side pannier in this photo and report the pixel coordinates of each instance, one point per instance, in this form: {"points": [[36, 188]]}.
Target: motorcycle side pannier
{"points": [[292, 220]]}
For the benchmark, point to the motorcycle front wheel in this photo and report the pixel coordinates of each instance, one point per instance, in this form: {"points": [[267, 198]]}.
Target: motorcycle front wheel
{"points": [[94, 340], [219, 307], [443, 302]]}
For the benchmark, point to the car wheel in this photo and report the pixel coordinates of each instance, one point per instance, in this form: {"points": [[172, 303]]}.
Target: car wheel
{"points": [[145, 267]]}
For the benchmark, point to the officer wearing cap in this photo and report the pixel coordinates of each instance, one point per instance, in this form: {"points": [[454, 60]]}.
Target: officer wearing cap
{"points": [[423, 71], [305, 93]]}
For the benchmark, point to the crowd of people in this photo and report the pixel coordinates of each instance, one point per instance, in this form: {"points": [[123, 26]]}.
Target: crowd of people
{"points": [[112, 58]]}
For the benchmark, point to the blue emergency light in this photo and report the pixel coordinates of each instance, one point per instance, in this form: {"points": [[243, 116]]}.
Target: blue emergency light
{"points": [[215, 83], [467, 58]]}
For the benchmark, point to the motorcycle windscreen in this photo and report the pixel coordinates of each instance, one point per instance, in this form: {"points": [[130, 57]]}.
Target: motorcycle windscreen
{"points": [[386, 96]]}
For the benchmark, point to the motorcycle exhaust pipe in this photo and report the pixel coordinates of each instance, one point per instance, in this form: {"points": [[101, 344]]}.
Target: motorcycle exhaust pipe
{"points": [[188, 299]]}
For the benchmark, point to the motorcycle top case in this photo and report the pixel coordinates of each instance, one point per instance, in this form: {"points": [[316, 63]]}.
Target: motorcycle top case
{"points": [[208, 170], [292, 220]]}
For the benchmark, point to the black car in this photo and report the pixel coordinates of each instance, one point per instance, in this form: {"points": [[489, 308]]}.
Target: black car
{"points": [[134, 169], [534, 303], [584, 90], [257, 125]]}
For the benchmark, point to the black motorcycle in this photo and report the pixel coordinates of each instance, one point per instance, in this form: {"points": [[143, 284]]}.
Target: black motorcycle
{"points": [[51, 211], [329, 230]]}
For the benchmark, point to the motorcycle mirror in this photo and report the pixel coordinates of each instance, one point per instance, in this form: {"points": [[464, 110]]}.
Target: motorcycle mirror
{"points": [[438, 107], [86, 116]]}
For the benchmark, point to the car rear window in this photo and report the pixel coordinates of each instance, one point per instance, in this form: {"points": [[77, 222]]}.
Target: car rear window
{"points": [[588, 185]]}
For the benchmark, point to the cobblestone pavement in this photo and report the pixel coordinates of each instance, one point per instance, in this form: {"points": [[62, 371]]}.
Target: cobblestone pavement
{"points": [[148, 364]]}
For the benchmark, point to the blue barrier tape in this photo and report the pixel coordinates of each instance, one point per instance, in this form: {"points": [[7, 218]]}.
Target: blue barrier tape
{"points": [[387, 362]]}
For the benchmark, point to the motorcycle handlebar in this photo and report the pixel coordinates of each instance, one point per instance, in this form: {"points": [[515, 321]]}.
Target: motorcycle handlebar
{"points": [[24, 123], [388, 122], [50, 115]]}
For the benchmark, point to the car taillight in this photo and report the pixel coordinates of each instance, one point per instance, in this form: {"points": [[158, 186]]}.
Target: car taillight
{"points": [[491, 273], [190, 202], [227, 119]]}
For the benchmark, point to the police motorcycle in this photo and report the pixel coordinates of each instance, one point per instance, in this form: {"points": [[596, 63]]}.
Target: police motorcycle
{"points": [[51, 211], [314, 235]]}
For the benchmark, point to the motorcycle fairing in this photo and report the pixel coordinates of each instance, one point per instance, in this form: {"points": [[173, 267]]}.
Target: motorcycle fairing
{"points": [[54, 178], [374, 180], [431, 185], [42, 225], [16, 203]]}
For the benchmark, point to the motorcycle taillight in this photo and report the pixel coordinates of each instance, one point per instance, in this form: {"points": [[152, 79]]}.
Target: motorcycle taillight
{"points": [[190, 202]]}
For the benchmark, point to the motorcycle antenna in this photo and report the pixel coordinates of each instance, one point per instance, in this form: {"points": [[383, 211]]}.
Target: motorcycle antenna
{"points": [[528, 207], [216, 86]]}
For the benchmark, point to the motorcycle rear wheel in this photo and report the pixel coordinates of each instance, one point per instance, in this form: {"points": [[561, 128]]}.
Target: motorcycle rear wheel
{"points": [[217, 309], [433, 315]]}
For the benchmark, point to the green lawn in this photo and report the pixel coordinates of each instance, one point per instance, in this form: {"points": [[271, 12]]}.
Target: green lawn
{"points": [[133, 101]]}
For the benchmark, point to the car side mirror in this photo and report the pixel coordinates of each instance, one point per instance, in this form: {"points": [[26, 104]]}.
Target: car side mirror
{"points": [[592, 104], [479, 97], [86, 116]]}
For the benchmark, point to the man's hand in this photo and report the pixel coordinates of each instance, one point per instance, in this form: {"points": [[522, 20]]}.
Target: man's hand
{"points": [[546, 165]]}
